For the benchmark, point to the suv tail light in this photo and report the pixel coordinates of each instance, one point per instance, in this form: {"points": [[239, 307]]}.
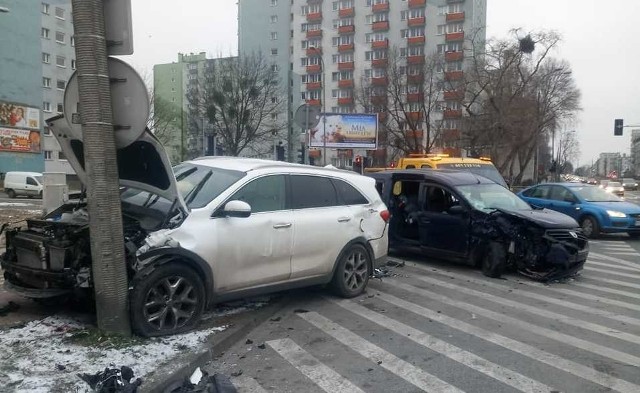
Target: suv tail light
{"points": [[385, 215]]}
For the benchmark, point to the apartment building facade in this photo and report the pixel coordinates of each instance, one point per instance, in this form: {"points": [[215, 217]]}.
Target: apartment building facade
{"points": [[326, 50]]}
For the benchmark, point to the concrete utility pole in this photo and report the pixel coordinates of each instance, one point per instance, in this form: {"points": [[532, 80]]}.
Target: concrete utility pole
{"points": [[105, 216]]}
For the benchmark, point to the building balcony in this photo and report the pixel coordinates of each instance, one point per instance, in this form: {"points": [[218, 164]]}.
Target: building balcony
{"points": [[313, 51], [453, 95], [415, 97], [451, 135], [414, 134], [314, 85], [380, 26], [313, 68], [452, 113], [314, 102], [420, 21], [378, 100], [379, 63], [416, 40], [347, 12], [345, 83], [454, 56], [314, 33], [455, 17], [314, 1], [454, 1], [381, 81], [415, 78], [380, 44], [417, 3], [382, 7], [346, 48], [346, 66], [314, 17], [346, 29], [452, 37], [414, 116], [453, 75], [415, 59], [345, 101]]}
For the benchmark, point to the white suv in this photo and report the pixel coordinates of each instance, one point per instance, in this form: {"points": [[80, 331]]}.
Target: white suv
{"points": [[222, 228]]}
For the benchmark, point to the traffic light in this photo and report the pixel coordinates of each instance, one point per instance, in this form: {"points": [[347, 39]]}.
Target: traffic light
{"points": [[617, 127], [280, 152], [301, 153], [357, 164]]}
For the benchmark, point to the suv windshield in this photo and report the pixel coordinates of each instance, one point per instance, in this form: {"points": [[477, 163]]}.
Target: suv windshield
{"points": [[486, 170], [595, 194], [492, 197]]}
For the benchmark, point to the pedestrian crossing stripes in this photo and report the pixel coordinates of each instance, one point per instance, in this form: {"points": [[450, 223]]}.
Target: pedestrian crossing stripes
{"points": [[611, 272], [513, 336], [616, 260], [611, 267]]}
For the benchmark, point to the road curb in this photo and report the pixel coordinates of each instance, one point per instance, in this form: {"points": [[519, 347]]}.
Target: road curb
{"points": [[218, 343]]}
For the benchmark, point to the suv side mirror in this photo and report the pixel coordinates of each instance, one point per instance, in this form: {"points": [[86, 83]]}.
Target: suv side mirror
{"points": [[236, 208], [456, 210]]}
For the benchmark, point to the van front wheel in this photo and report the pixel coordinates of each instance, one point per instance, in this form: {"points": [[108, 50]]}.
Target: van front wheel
{"points": [[11, 194]]}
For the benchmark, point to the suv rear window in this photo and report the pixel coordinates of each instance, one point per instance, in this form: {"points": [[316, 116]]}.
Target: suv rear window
{"points": [[347, 194], [312, 191]]}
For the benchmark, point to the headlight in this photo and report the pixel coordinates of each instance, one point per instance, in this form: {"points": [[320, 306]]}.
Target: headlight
{"points": [[613, 213]]}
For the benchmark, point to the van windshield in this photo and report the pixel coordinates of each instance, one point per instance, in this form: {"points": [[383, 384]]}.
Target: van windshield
{"points": [[487, 170], [39, 179]]}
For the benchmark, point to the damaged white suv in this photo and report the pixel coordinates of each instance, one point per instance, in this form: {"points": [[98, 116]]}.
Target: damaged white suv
{"points": [[222, 228]]}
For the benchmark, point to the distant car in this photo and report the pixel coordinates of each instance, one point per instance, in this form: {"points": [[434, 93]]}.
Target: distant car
{"points": [[23, 183], [615, 187], [630, 184], [592, 181], [603, 184], [463, 217], [595, 209]]}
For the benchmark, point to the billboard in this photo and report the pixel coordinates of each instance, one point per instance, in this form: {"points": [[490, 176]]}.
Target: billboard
{"points": [[345, 131], [16, 140], [19, 116]]}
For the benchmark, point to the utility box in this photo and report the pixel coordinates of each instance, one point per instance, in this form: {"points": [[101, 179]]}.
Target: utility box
{"points": [[55, 191]]}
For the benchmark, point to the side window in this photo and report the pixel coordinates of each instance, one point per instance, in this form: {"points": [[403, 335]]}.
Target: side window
{"points": [[312, 191], [439, 200], [265, 194], [31, 181], [541, 192], [380, 187], [347, 194], [561, 194]]}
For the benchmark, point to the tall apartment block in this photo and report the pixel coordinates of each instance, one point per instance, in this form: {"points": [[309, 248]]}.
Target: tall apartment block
{"points": [[353, 39]]}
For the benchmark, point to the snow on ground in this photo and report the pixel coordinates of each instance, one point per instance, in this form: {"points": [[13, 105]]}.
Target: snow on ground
{"points": [[32, 354]]}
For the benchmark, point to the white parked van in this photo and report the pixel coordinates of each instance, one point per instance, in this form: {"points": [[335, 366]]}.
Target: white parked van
{"points": [[23, 183]]}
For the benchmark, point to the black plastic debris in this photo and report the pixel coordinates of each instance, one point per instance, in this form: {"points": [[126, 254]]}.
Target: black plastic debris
{"points": [[394, 263], [112, 380], [9, 307], [217, 383], [300, 311]]}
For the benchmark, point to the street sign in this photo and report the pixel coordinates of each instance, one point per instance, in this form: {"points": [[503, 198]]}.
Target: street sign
{"points": [[118, 27], [618, 126], [129, 101], [307, 116]]}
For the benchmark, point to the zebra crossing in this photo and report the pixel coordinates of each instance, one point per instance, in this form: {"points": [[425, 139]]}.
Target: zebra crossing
{"points": [[442, 328]]}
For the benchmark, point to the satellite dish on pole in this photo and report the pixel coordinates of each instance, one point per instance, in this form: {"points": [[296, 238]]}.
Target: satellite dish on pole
{"points": [[307, 116], [129, 100]]}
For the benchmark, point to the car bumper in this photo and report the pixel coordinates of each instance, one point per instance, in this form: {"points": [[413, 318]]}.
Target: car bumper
{"points": [[622, 225], [36, 283]]}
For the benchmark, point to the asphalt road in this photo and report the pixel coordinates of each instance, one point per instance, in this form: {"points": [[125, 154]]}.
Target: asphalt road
{"points": [[444, 328]]}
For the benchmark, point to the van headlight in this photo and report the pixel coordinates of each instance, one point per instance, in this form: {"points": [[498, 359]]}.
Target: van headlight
{"points": [[613, 213]]}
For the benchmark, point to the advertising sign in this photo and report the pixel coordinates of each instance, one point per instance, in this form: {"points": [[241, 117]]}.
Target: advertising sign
{"points": [[19, 116], [16, 140], [345, 131]]}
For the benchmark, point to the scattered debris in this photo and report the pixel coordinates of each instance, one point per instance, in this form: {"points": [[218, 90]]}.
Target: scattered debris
{"points": [[473, 316], [61, 367], [262, 346], [394, 263], [112, 380], [276, 319], [249, 341], [379, 362], [10, 307], [300, 311], [236, 373], [216, 383], [196, 377]]}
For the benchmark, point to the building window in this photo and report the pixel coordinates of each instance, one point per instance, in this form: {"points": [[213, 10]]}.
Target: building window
{"points": [[274, 35], [73, 64], [45, 8], [61, 156], [46, 106], [59, 108], [73, 41], [274, 51], [274, 67], [61, 84], [44, 33], [47, 154], [61, 61], [46, 58], [442, 29], [46, 82], [274, 3], [59, 37], [274, 18], [60, 13], [47, 130]]}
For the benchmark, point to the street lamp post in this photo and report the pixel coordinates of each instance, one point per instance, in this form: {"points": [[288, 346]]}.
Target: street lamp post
{"points": [[324, 108]]}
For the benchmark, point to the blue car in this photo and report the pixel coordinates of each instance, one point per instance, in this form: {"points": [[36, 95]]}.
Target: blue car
{"points": [[597, 210]]}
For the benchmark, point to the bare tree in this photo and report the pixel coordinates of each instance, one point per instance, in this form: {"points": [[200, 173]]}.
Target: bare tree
{"points": [[568, 151], [242, 100]]}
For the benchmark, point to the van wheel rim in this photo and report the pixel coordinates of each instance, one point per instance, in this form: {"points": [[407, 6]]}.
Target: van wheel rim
{"points": [[355, 270], [170, 303]]}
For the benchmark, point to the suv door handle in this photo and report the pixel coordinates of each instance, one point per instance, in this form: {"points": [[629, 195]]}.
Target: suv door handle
{"points": [[284, 225], [344, 219]]}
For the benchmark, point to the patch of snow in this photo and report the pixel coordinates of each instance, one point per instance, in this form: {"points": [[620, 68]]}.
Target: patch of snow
{"points": [[19, 204], [32, 353]]}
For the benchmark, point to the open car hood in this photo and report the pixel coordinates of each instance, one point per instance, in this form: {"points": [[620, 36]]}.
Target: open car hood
{"points": [[143, 165], [546, 218]]}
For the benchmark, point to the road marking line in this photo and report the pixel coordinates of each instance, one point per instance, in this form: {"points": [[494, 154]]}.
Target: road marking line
{"points": [[612, 245], [471, 360], [625, 253], [625, 275], [585, 345], [610, 266], [616, 260], [401, 368], [245, 384], [560, 302], [580, 323], [323, 376], [615, 282], [607, 290], [526, 350]]}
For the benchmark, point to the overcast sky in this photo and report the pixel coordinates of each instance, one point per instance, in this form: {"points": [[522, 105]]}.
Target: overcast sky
{"points": [[601, 41]]}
